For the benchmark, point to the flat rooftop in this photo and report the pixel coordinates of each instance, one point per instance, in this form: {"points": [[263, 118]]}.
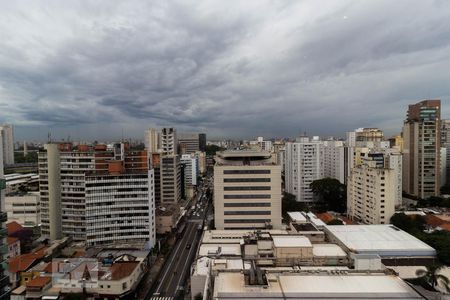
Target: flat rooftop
{"points": [[296, 216], [220, 250], [314, 286], [229, 154], [330, 250], [384, 240], [291, 241]]}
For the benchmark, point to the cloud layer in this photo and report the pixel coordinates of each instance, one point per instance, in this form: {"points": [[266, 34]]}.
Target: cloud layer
{"points": [[230, 68]]}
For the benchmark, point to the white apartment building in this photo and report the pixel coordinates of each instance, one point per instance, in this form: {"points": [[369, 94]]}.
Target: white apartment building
{"points": [[170, 179], [247, 190], [190, 174], [335, 160], [168, 141], [151, 140], [7, 137], [373, 189], [120, 208], [23, 209], [304, 164]]}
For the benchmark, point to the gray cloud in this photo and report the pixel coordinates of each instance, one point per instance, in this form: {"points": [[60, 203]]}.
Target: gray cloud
{"points": [[230, 68]]}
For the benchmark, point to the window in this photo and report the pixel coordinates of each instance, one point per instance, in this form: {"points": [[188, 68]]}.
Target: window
{"points": [[262, 196], [246, 171], [249, 213], [246, 180], [246, 220], [247, 204], [247, 188]]}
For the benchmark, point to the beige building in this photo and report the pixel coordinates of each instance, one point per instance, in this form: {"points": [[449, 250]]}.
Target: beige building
{"points": [[373, 189], [247, 190], [421, 149], [24, 209]]}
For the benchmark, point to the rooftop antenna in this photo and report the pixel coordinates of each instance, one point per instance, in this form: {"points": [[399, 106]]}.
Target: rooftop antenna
{"points": [[122, 134], [49, 137]]}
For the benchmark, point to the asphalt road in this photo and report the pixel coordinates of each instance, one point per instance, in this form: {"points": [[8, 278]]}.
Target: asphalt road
{"points": [[177, 267]]}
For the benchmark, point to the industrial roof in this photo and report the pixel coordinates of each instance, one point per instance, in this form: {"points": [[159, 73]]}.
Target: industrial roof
{"points": [[314, 286], [328, 250], [384, 240], [297, 216], [315, 220], [291, 241], [225, 250]]}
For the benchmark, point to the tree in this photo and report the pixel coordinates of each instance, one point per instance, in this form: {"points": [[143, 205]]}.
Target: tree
{"points": [[432, 277], [199, 296], [331, 192], [289, 203], [335, 222], [75, 296], [409, 224], [212, 149]]}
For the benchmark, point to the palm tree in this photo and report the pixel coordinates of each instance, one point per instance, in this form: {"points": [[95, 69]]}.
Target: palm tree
{"points": [[431, 276]]}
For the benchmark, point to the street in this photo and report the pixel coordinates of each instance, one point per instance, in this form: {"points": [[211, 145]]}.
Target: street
{"points": [[175, 272]]}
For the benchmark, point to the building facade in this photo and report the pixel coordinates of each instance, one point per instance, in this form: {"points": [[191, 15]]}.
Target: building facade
{"points": [[169, 141], [120, 208], [170, 179], [445, 143], [23, 209], [7, 137], [373, 189], [304, 164], [335, 160], [421, 149], [4, 278], [151, 140], [247, 190]]}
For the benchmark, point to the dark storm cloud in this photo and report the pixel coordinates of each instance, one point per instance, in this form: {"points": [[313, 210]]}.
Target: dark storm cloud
{"points": [[231, 68]]}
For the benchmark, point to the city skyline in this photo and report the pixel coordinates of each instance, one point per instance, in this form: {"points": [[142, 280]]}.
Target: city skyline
{"points": [[231, 69]]}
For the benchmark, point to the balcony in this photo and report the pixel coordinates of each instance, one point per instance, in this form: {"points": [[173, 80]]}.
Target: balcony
{"points": [[3, 217], [4, 280]]}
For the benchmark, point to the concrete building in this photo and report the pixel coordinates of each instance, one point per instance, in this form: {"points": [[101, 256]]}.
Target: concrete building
{"points": [[421, 149], [4, 278], [64, 173], [247, 190], [364, 135], [170, 179], [335, 160], [151, 140], [189, 143], [445, 143], [261, 144], [120, 207], [7, 137], [190, 173], [23, 208], [304, 164], [373, 190], [169, 141]]}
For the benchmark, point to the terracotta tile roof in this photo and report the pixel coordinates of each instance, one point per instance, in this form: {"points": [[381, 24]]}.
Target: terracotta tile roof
{"points": [[23, 262], [434, 221], [325, 217], [13, 227], [12, 240], [122, 269], [347, 221], [445, 226], [39, 282]]}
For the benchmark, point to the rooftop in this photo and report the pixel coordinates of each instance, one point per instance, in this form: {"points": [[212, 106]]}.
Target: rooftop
{"points": [[328, 250], [315, 286], [296, 216], [385, 240], [291, 241]]}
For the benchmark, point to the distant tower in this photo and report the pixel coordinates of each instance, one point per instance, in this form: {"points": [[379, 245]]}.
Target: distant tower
{"points": [[25, 149]]}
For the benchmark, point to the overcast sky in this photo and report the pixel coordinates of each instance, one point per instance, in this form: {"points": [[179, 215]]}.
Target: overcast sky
{"points": [[90, 69]]}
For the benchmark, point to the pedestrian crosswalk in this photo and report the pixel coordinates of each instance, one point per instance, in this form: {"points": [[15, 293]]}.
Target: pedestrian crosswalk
{"points": [[161, 298]]}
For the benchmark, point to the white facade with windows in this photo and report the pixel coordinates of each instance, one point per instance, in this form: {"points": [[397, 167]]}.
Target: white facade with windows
{"points": [[169, 141], [120, 208], [372, 191], [334, 160], [7, 137], [304, 164]]}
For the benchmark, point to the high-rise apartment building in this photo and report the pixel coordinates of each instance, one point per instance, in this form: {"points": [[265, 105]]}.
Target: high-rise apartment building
{"points": [[304, 164], [421, 149], [170, 178], [247, 190], [373, 189], [445, 143], [120, 207], [7, 136], [169, 141], [335, 160], [151, 140], [189, 143], [4, 278], [68, 180], [364, 135], [190, 174]]}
